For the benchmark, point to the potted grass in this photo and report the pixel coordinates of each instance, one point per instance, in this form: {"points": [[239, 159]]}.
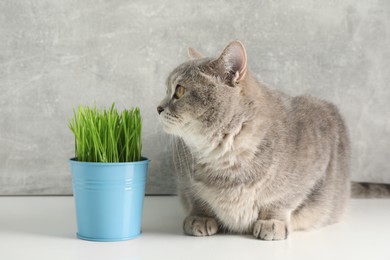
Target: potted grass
{"points": [[108, 173]]}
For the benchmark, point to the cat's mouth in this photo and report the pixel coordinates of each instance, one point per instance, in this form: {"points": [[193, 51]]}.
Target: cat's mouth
{"points": [[171, 123]]}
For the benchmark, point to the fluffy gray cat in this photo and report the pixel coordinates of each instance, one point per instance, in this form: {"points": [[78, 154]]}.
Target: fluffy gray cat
{"points": [[252, 159]]}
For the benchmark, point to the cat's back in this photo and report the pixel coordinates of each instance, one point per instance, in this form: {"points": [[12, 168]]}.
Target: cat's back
{"points": [[317, 133], [319, 118]]}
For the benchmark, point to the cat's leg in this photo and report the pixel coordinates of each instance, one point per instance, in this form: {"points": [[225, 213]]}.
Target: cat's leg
{"points": [[272, 225], [200, 222]]}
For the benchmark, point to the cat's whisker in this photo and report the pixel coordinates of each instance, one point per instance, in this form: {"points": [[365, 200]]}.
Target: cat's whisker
{"points": [[184, 155]]}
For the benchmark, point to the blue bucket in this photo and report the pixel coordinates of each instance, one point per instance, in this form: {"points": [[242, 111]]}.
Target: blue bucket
{"points": [[109, 199]]}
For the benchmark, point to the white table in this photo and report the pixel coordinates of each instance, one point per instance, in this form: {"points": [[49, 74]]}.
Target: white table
{"points": [[44, 228]]}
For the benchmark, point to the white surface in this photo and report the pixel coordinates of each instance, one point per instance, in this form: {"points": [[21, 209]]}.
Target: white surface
{"points": [[44, 228]]}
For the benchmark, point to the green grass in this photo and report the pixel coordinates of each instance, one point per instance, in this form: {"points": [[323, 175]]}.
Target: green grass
{"points": [[106, 135]]}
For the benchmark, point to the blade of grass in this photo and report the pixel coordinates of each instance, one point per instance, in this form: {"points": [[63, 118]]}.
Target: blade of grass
{"points": [[107, 135]]}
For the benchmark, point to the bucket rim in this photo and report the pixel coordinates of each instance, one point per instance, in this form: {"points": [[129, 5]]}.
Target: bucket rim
{"points": [[143, 160]]}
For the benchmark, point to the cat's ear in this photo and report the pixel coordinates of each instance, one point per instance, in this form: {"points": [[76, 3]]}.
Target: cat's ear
{"points": [[233, 61], [194, 54]]}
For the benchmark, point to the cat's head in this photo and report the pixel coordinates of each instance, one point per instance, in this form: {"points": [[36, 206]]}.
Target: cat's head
{"points": [[203, 93]]}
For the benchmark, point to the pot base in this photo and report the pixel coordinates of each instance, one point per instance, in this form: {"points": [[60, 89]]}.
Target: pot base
{"points": [[107, 239]]}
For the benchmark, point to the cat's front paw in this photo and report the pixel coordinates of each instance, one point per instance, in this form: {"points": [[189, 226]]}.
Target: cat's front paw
{"points": [[271, 229], [200, 226]]}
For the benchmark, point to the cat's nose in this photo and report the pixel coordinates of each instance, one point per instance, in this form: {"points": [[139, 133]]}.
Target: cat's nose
{"points": [[160, 110]]}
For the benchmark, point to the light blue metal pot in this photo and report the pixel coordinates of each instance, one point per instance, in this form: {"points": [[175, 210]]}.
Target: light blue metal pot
{"points": [[109, 199]]}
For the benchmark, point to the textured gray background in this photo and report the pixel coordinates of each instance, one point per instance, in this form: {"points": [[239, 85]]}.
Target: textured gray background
{"points": [[55, 55]]}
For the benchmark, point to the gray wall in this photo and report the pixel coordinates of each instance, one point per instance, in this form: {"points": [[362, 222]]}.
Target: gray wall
{"points": [[55, 55]]}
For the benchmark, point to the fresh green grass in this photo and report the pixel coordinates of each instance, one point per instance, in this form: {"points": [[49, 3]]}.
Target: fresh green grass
{"points": [[106, 135]]}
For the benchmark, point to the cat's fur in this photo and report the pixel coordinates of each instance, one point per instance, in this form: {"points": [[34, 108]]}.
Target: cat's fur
{"points": [[252, 159]]}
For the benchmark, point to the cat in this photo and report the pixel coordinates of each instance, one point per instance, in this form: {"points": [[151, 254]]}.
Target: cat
{"points": [[251, 159]]}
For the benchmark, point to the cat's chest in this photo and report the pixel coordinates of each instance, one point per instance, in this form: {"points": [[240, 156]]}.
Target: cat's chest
{"points": [[235, 207]]}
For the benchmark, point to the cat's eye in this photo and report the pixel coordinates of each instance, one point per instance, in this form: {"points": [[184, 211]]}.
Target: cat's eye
{"points": [[179, 92]]}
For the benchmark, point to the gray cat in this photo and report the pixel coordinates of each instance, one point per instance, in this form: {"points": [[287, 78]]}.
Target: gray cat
{"points": [[252, 159]]}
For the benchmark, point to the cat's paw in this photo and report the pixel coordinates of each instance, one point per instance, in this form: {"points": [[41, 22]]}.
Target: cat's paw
{"points": [[270, 229], [200, 226]]}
